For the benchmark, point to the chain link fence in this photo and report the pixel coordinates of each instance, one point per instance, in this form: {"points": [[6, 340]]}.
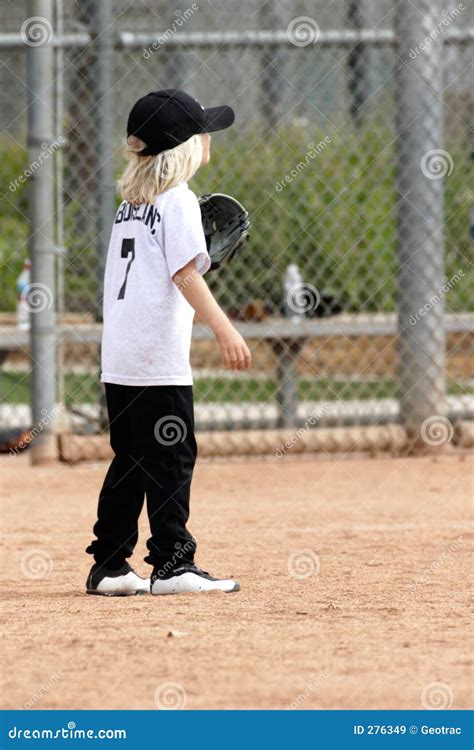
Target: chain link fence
{"points": [[355, 290]]}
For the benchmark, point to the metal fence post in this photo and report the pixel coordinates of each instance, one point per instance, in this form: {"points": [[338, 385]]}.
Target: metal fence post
{"points": [[101, 22], [359, 61], [178, 68], [421, 163], [103, 119], [287, 349], [41, 293]]}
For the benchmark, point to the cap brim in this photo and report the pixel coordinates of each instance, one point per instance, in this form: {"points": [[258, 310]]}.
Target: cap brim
{"points": [[218, 118]]}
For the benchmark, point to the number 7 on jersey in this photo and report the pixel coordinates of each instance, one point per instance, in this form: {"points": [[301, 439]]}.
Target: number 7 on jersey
{"points": [[128, 248]]}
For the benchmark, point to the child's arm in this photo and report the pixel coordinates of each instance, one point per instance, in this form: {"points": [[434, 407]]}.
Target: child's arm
{"points": [[234, 351]]}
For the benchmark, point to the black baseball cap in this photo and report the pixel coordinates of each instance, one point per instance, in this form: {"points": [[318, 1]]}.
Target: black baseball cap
{"points": [[164, 119]]}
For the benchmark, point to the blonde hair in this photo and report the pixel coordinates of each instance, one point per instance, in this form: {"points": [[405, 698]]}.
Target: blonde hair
{"points": [[145, 177]]}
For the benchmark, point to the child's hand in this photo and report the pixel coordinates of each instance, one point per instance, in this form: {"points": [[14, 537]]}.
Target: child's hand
{"points": [[234, 351]]}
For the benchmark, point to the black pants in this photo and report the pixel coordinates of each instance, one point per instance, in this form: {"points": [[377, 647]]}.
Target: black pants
{"points": [[152, 436]]}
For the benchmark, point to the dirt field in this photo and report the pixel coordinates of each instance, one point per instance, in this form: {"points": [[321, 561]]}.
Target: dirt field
{"points": [[379, 618]]}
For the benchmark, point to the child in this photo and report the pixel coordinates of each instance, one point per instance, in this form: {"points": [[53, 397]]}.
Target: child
{"points": [[153, 286]]}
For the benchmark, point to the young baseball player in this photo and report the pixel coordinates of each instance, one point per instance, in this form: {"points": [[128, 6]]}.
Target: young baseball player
{"points": [[153, 286]]}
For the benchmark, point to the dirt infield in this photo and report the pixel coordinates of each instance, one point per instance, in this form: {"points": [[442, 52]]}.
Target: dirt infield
{"points": [[354, 591]]}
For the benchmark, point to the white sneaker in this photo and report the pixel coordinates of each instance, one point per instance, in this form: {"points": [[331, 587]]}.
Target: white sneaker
{"points": [[189, 578], [122, 582]]}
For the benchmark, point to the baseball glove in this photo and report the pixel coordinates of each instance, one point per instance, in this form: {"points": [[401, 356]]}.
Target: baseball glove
{"points": [[226, 226]]}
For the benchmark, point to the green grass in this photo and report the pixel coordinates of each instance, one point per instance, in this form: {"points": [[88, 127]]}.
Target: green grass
{"points": [[15, 389], [208, 390]]}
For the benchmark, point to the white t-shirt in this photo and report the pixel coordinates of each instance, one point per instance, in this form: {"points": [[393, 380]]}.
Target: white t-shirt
{"points": [[147, 321]]}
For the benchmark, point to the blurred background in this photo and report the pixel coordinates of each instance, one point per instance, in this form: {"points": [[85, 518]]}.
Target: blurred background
{"points": [[315, 156]]}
